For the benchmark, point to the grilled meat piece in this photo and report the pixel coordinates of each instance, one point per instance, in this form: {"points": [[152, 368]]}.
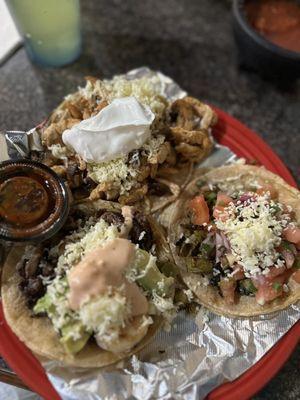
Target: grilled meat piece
{"points": [[141, 232]]}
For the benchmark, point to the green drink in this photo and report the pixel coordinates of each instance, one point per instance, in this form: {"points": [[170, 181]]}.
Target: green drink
{"points": [[51, 29]]}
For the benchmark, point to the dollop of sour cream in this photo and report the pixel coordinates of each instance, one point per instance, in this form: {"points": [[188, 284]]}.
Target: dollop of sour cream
{"points": [[120, 127]]}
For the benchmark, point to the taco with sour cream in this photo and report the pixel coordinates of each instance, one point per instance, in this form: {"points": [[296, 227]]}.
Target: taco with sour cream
{"points": [[123, 140], [235, 235], [95, 295]]}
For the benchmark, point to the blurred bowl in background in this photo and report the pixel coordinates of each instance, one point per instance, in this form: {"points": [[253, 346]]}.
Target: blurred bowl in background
{"points": [[258, 53]]}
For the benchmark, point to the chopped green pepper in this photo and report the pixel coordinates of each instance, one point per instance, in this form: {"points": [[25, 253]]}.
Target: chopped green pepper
{"points": [[200, 183], [275, 208], [168, 268], [277, 286], [210, 198], [70, 344], [197, 237], [199, 265], [206, 249], [246, 287], [286, 245], [296, 264]]}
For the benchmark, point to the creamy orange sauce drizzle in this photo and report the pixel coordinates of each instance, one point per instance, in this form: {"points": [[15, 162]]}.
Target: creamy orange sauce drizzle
{"points": [[103, 268]]}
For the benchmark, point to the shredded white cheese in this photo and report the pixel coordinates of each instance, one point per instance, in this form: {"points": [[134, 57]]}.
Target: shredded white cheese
{"points": [[62, 315], [254, 231], [105, 315], [166, 307], [117, 172], [85, 240], [189, 294], [146, 90]]}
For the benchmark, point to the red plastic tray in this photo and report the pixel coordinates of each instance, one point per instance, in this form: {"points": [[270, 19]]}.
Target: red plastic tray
{"points": [[244, 143]]}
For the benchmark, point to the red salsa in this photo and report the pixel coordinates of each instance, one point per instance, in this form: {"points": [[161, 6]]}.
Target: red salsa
{"points": [[23, 201], [33, 201], [276, 20]]}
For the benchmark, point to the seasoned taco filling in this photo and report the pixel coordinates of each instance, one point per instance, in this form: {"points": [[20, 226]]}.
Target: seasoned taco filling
{"points": [[242, 243], [169, 133], [101, 281]]}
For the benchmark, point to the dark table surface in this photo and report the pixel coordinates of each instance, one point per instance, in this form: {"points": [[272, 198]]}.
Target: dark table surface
{"points": [[192, 42]]}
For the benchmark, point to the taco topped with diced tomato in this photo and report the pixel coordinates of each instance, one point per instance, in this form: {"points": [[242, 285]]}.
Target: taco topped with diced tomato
{"points": [[235, 235]]}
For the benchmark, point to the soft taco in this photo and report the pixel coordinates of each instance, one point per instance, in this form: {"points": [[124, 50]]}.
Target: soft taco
{"points": [[235, 235], [147, 135], [96, 294]]}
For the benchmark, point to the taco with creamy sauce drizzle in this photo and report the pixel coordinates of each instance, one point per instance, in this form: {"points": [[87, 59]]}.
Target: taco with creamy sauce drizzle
{"points": [[94, 295], [235, 236]]}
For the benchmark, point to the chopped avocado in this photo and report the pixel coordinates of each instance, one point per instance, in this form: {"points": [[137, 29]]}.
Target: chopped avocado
{"points": [[70, 344], [199, 265], [44, 305], [246, 287], [150, 277], [168, 268]]}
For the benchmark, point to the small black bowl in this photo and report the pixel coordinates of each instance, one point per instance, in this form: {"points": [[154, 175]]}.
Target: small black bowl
{"points": [[257, 53]]}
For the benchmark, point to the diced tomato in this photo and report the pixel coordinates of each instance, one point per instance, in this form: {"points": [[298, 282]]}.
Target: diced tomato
{"points": [[267, 188], [268, 292], [287, 211], [238, 272], [270, 287], [274, 271], [292, 234], [227, 288], [222, 201], [296, 276], [200, 210], [220, 214]]}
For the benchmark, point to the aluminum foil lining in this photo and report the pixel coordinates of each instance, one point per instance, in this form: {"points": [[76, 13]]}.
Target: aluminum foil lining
{"points": [[199, 353], [19, 144]]}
